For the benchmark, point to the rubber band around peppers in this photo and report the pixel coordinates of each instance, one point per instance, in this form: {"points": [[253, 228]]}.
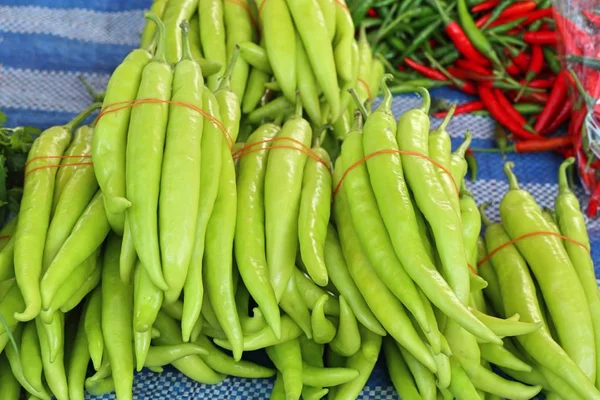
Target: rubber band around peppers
{"points": [[55, 165], [122, 105], [394, 151], [338, 2], [367, 88], [528, 235], [243, 4], [251, 148]]}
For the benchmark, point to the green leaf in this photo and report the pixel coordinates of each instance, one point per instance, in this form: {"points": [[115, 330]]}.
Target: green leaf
{"points": [[9, 333]]}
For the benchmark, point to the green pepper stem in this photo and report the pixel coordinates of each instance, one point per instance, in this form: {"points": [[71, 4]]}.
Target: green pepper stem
{"points": [[426, 104], [186, 51], [447, 118], [161, 41], [96, 97], [225, 81], [513, 183], [357, 123], [484, 218], [278, 120], [79, 118], [462, 149], [386, 104], [359, 105], [563, 180]]}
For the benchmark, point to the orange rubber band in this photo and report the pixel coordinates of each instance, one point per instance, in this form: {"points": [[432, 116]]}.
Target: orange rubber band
{"points": [[54, 157], [367, 88], [473, 270], [250, 148], [527, 235], [394, 151], [4, 237], [243, 4], [260, 6], [122, 105], [342, 4], [57, 166]]}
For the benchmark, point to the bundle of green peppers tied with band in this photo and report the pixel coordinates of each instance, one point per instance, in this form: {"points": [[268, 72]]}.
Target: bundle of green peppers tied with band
{"points": [[159, 235]]}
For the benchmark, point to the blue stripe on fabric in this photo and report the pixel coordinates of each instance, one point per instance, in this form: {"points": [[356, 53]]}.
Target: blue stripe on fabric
{"points": [[97, 5], [36, 118], [46, 52]]}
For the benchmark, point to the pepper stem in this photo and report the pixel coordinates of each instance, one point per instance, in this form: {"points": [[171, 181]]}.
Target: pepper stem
{"points": [[97, 97], [359, 105], [79, 118], [484, 218], [386, 104], [462, 149], [186, 52], [357, 123], [513, 183], [563, 180], [426, 104], [161, 44], [226, 78], [447, 118]]}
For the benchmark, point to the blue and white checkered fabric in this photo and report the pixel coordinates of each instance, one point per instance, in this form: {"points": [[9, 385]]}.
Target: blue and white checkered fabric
{"points": [[46, 44]]}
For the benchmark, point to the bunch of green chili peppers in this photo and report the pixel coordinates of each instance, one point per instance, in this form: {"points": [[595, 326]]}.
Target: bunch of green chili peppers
{"points": [[179, 229]]}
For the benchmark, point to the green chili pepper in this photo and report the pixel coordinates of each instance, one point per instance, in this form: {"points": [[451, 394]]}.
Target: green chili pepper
{"points": [[288, 361], [347, 339], [10, 388], [86, 237], [283, 185], [32, 228], [180, 176], [128, 255], [500, 356], [461, 386], [311, 293], [292, 303], [386, 307], [266, 337], [55, 336], [487, 272], [551, 266], [78, 363], [238, 29], [7, 264], [31, 357], [328, 8], [430, 26], [54, 371], [572, 225], [307, 82], [254, 90], [424, 379], [270, 111], [9, 304], [212, 34], [256, 55], [191, 366], [220, 231], [362, 364], [280, 43], [278, 391], [343, 42], [507, 327], [145, 144], [475, 35], [519, 296], [211, 150], [552, 60], [147, 301], [159, 356], [323, 329], [399, 373], [148, 33], [117, 312], [91, 281]]}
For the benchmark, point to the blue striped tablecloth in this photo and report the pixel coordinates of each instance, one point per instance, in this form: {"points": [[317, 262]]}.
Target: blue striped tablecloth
{"points": [[46, 44]]}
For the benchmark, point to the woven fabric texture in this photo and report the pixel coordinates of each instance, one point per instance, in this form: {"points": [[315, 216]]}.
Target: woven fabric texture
{"points": [[46, 44]]}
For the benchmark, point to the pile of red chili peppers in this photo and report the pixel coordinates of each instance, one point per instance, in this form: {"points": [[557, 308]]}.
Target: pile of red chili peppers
{"points": [[506, 54]]}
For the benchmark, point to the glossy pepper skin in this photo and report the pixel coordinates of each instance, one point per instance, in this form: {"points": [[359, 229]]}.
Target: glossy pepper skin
{"points": [[572, 224], [249, 244], [109, 141], [36, 206], [174, 14], [180, 176], [283, 187], [519, 296], [554, 272], [117, 319], [145, 149], [212, 35]]}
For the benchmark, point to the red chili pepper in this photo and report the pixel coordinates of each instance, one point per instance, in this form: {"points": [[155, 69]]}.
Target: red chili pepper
{"points": [[539, 83], [472, 66], [372, 13], [519, 10], [535, 66], [533, 97], [462, 109], [469, 88], [563, 115], [593, 18], [424, 70], [540, 37], [566, 152], [509, 108], [485, 6], [522, 60], [594, 202], [512, 68], [555, 100], [530, 17], [499, 113], [539, 145], [461, 41]]}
